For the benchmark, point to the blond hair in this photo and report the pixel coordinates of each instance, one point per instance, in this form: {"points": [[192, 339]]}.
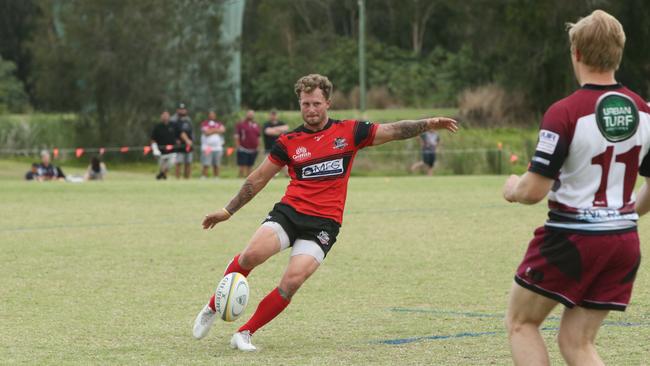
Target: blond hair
{"points": [[312, 82], [600, 39]]}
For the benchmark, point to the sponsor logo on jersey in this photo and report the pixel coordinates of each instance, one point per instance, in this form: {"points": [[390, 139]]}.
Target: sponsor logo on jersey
{"points": [[547, 141], [340, 143], [617, 116], [323, 169], [301, 153], [323, 237], [317, 138]]}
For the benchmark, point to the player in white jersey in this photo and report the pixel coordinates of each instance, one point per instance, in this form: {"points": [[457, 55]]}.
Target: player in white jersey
{"points": [[592, 144]]}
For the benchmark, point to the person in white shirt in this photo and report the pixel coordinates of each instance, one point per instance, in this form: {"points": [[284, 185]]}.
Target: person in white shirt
{"points": [[211, 144]]}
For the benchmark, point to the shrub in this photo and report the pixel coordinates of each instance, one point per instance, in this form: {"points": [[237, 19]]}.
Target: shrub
{"points": [[492, 106], [380, 98], [340, 100]]}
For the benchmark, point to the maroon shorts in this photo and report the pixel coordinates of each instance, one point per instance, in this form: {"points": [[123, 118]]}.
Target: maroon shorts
{"points": [[594, 271]]}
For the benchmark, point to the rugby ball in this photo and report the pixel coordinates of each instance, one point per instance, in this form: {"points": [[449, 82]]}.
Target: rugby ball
{"points": [[231, 296]]}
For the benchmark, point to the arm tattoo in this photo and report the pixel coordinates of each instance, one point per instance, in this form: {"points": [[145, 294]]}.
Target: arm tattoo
{"points": [[246, 193], [406, 129]]}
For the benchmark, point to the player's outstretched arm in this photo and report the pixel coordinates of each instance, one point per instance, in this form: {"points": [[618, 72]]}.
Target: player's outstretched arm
{"points": [[528, 189], [410, 128], [643, 199], [253, 184]]}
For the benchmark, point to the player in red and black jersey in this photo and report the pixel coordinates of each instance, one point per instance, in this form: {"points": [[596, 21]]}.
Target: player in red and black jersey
{"points": [[592, 145], [319, 156]]}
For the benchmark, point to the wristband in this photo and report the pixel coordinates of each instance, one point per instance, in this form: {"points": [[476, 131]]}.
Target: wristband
{"points": [[227, 212]]}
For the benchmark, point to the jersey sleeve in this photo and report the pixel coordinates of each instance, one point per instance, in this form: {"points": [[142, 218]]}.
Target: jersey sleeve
{"points": [[278, 154], [364, 133], [552, 143]]}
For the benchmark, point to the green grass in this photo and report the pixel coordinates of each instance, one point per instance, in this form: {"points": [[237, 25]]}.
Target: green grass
{"points": [[114, 272]]}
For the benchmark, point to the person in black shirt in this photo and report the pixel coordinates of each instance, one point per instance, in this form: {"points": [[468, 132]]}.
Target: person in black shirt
{"points": [[163, 140], [47, 171], [184, 136], [273, 128]]}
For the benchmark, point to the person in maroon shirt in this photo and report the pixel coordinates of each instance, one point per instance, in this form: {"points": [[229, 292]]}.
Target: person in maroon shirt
{"points": [[319, 156], [247, 139]]}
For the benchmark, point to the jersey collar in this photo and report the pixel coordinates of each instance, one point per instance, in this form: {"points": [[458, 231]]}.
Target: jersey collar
{"points": [[302, 128], [602, 87]]}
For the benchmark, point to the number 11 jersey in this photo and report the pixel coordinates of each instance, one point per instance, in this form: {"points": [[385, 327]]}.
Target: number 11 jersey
{"points": [[594, 143]]}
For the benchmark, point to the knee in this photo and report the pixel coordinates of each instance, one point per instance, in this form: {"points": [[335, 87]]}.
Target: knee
{"points": [[251, 258], [515, 325], [290, 283], [512, 325], [571, 342]]}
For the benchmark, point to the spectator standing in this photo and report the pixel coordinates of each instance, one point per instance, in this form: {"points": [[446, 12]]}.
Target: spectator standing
{"points": [[273, 128], [184, 138], [211, 144], [163, 140], [247, 140]]}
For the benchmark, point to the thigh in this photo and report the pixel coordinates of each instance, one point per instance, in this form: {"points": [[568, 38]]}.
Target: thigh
{"points": [[217, 157], [205, 157], [581, 323], [250, 158], [553, 267], [618, 261], [526, 306], [180, 158], [300, 268], [241, 158], [427, 158], [263, 245]]}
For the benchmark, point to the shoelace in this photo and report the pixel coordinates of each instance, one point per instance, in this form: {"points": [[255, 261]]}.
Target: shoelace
{"points": [[246, 335], [205, 317]]}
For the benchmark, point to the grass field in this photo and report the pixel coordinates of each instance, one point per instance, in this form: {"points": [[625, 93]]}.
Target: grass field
{"points": [[114, 273]]}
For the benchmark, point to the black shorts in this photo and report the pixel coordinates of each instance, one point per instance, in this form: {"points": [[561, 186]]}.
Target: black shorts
{"points": [[245, 158], [322, 231], [429, 158]]}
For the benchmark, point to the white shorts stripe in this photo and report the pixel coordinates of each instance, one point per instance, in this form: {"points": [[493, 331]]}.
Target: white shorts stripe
{"points": [[308, 247], [279, 231]]}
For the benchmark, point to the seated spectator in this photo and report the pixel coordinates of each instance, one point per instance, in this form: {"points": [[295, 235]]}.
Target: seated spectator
{"points": [[96, 170], [47, 171], [33, 173]]}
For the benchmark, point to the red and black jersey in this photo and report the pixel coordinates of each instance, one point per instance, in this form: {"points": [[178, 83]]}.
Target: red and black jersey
{"points": [[319, 165]]}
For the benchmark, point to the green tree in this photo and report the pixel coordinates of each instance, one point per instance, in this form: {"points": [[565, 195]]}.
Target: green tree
{"points": [[120, 62], [12, 93]]}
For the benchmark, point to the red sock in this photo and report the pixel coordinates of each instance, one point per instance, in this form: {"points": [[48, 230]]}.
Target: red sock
{"points": [[269, 308], [233, 266]]}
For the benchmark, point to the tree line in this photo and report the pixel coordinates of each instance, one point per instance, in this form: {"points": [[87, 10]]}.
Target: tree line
{"points": [[117, 63]]}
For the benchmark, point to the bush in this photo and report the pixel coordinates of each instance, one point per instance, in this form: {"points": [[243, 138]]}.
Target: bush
{"points": [[380, 98], [492, 106], [340, 100]]}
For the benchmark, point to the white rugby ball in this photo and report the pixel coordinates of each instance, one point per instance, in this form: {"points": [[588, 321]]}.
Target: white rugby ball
{"points": [[231, 296]]}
